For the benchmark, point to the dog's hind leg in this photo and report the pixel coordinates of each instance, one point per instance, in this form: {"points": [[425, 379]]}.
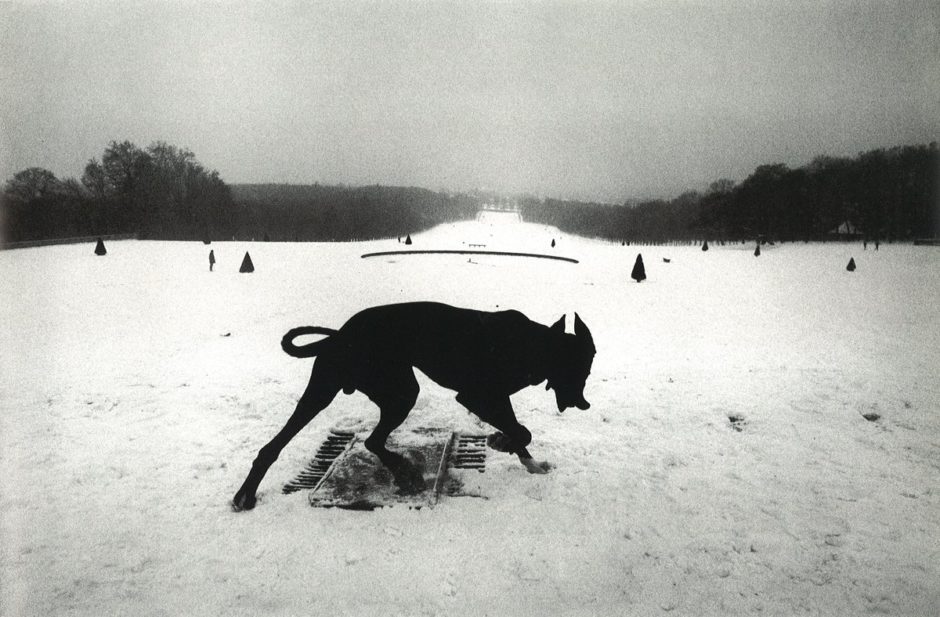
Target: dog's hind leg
{"points": [[320, 392], [395, 392], [498, 413]]}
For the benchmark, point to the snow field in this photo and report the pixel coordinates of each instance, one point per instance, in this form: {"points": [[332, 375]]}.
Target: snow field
{"points": [[137, 388]]}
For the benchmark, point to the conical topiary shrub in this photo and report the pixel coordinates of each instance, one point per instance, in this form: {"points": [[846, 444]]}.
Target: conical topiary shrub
{"points": [[99, 248], [408, 239], [757, 251], [851, 266], [705, 245], [247, 266], [639, 271]]}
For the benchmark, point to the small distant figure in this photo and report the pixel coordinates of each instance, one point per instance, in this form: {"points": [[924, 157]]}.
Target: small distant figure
{"points": [[865, 244], [639, 271], [757, 251], [705, 245], [851, 266], [211, 260], [877, 244], [99, 248], [408, 239], [553, 242], [399, 239]]}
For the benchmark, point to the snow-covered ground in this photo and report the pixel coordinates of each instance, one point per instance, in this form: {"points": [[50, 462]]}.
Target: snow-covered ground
{"points": [[137, 387]]}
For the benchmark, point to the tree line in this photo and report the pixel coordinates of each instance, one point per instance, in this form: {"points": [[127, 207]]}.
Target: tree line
{"points": [[163, 192], [890, 194], [339, 213]]}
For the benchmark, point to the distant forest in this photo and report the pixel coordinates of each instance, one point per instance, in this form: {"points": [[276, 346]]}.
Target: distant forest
{"points": [[160, 192], [889, 194], [163, 192], [321, 213]]}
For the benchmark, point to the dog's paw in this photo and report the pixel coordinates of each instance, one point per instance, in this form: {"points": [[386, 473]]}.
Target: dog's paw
{"points": [[534, 466], [499, 442], [243, 502]]}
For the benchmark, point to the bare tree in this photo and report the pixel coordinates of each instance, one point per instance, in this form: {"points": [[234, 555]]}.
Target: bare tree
{"points": [[33, 183]]}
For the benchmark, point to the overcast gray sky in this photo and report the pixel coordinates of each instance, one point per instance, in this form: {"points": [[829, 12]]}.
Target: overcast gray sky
{"points": [[590, 100]]}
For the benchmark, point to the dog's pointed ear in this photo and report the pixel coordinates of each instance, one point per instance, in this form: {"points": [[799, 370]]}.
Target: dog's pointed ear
{"points": [[581, 331], [559, 326]]}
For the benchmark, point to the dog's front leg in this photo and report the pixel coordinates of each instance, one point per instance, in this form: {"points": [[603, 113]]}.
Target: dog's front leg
{"points": [[513, 438]]}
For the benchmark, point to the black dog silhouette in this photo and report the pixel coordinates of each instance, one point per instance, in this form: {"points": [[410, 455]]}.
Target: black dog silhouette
{"points": [[485, 357]]}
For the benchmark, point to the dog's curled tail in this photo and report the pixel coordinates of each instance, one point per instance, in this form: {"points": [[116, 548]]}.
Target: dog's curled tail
{"points": [[310, 349]]}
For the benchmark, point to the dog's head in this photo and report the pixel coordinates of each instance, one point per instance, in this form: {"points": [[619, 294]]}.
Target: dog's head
{"points": [[570, 364]]}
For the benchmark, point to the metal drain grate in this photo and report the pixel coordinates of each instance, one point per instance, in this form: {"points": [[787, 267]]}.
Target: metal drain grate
{"points": [[460, 452], [469, 452], [317, 469]]}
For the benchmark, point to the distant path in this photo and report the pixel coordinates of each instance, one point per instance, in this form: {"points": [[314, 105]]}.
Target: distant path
{"points": [[503, 253]]}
